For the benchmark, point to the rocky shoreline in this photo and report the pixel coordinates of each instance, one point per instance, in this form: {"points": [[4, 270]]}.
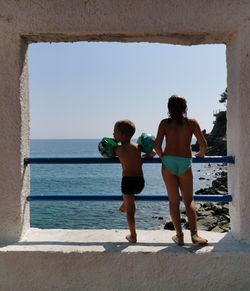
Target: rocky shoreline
{"points": [[214, 216]]}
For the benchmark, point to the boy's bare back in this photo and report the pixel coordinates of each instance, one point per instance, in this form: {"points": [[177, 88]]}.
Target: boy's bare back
{"points": [[130, 158]]}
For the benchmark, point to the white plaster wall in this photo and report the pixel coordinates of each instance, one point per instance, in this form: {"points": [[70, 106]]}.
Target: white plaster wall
{"points": [[103, 260], [14, 134], [238, 113], [115, 271], [174, 21]]}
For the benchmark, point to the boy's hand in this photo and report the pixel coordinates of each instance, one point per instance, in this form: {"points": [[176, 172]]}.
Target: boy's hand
{"points": [[149, 155]]}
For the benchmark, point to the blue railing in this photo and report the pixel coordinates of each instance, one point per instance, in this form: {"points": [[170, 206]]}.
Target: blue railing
{"points": [[212, 159], [113, 197]]}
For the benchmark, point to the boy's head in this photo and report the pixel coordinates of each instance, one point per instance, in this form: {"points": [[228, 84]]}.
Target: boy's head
{"points": [[124, 129]]}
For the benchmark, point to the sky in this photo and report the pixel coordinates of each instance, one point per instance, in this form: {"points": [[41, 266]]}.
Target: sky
{"points": [[79, 90]]}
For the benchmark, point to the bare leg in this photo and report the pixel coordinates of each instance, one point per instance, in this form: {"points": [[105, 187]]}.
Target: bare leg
{"points": [[171, 182], [122, 208], [186, 186], [129, 204]]}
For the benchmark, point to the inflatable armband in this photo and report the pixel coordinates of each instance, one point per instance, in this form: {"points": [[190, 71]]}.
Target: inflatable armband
{"points": [[106, 147], [146, 141]]}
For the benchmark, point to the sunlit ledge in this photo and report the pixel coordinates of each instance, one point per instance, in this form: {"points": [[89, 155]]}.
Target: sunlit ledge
{"points": [[104, 260], [149, 241]]}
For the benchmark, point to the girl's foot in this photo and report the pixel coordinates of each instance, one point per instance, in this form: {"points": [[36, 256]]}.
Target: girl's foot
{"points": [[178, 239], [197, 239], [122, 208], [131, 239]]}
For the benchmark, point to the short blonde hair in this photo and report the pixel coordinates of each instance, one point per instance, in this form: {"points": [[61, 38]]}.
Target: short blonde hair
{"points": [[126, 127]]}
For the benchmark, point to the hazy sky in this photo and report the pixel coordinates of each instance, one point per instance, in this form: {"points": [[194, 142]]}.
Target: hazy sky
{"points": [[78, 90]]}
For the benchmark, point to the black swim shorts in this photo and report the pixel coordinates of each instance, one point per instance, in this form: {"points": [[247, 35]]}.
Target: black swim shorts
{"points": [[132, 185]]}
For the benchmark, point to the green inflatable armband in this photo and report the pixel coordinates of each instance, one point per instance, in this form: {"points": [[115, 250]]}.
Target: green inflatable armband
{"points": [[146, 141], [107, 147]]}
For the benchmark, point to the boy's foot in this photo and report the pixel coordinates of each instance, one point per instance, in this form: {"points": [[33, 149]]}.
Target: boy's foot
{"points": [[178, 239], [131, 239], [122, 208], [198, 240]]}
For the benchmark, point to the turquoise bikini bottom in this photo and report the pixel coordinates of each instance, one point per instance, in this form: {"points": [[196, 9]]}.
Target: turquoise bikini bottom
{"points": [[177, 165]]}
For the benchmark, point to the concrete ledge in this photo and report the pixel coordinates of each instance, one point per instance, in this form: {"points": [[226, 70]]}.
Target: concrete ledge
{"points": [[103, 260], [103, 240]]}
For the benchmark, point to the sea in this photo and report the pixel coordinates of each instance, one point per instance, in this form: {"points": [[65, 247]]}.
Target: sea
{"points": [[95, 179]]}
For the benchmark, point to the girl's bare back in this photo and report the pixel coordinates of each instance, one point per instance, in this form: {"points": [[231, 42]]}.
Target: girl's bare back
{"points": [[178, 137]]}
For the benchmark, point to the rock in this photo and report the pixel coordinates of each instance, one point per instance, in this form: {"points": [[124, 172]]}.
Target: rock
{"points": [[221, 192], [226, 227], [183, 220], [215, 216], [207, 223], [169, 225], [216, 183], [158, 217], [218, 229]]}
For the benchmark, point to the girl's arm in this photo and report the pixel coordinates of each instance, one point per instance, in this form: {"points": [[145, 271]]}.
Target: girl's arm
{"points": [[159, 139], [201, 140]]}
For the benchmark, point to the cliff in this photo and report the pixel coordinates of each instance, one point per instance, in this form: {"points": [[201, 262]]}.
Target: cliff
{"points": [[216, 140]]}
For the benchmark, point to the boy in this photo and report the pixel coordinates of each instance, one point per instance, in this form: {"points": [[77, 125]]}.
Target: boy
{"points": [[132, 183]]}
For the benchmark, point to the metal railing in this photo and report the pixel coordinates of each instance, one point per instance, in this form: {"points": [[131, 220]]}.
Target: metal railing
{"points": [[113, 197]]}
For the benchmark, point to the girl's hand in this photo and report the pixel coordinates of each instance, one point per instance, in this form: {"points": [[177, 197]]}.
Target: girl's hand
{"points": [[199, 155]]}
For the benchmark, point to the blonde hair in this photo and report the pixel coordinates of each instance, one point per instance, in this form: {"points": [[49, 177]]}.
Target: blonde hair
{"points": [[125, 127]]}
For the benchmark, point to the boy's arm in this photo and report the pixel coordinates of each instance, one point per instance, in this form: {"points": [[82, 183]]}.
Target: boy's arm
{"points": [[117, 151], [200, 139], [159, 139], [149, 155], [146, 155]]}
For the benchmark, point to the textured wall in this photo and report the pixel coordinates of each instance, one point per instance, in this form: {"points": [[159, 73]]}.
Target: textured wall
{"points": [[14, 134], [103, 260], [115, 271], [173, 21], [238, 59], [169, 21]]}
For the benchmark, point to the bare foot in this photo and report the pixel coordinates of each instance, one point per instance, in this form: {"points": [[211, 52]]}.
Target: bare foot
{"points": [[178, 239], [131, 239], [198, 240], [122, 208]]}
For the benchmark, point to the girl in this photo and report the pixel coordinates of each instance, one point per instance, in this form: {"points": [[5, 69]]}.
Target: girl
{"points": [[176, 164]]}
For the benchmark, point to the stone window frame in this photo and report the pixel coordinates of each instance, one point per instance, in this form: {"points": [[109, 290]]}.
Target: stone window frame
{"points": [[173, 22]]}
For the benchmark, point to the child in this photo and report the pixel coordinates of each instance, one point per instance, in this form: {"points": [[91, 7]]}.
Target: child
{"points": [[132, 183], [176, 164]]}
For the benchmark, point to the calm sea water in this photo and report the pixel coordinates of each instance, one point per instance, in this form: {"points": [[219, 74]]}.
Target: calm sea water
{"points": [[93, 179]]}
